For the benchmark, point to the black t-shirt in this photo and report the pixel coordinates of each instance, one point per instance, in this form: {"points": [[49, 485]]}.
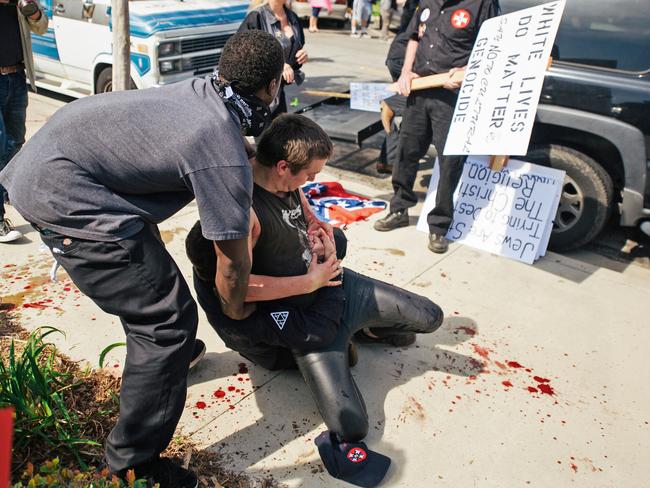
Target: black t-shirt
{"points": [[282, 248], [446, 31], [11, 49]]}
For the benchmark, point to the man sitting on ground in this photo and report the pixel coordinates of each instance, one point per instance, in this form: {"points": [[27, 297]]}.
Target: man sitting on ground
{"points": [[307, 308]]}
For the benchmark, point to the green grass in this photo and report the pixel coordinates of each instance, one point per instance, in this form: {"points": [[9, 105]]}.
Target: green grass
{"points": [[32, 383]]}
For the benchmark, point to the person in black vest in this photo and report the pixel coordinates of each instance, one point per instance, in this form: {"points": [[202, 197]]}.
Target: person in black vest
{"points": [[308, 308], [17, 22], [442, 34], [274, 17]]}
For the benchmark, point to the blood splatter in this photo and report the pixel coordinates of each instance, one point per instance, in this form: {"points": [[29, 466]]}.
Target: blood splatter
{"points": [[219, 393], [546, 389], [506, 383], [201, 405], [242, 368], [514, 364], [239, 378], [232, 407], [574, 468], [532, 389], [481, 351], [539, 379], [39, 305], [500, 364], [231, 388]]}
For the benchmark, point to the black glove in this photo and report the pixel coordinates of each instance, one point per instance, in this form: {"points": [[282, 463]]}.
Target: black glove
{"points": [[28, 7]]}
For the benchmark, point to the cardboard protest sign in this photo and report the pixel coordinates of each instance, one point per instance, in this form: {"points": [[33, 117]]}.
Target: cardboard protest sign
{"points": [[509, 212], [368, 96], [503, 80]]}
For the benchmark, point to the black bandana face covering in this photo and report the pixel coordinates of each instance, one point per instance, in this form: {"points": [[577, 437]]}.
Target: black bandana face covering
{"points": [[254, 115]]}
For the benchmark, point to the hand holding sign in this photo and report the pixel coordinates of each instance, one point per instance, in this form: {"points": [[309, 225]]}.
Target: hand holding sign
{"points": [[498, 99]]}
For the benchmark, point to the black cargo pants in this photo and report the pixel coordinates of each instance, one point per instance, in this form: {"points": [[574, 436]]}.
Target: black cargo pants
{"points": [[137, 280], [368, 303], [427, 119]]}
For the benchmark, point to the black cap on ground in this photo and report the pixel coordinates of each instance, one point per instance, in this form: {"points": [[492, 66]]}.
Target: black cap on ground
{"points": [[351, 461]]}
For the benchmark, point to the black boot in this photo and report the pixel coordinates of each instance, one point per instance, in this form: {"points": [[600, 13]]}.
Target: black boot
{"points": [[392, 221], [164, 472], [438, 243]]}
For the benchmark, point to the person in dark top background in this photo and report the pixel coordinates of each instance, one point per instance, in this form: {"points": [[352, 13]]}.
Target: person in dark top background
{"points": [[17, 21], [394, 105], [441, 37], [275, 18]]}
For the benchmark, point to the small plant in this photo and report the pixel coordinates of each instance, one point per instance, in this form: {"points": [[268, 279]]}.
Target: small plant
{"points": [[106, 350], [52, 475], [35, 385]]}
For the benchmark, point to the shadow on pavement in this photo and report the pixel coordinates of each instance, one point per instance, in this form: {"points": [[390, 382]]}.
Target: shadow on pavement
{"points": [[288, 411]]}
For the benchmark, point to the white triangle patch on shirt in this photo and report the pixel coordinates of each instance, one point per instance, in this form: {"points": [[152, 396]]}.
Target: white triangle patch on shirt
{"points": [[280, 318]]}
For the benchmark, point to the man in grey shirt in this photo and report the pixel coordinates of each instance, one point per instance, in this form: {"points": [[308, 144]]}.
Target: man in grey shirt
{"points": [[95, 181]]}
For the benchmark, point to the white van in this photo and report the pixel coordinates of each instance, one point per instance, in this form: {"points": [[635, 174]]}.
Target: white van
{"points": [[171, 40]]}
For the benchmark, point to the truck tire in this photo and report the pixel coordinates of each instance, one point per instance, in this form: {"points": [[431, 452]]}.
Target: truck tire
{"points": [[105, 81], [587, 195]]}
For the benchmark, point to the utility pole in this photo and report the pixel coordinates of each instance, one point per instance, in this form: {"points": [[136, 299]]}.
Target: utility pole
{"points": [[121, 45]]}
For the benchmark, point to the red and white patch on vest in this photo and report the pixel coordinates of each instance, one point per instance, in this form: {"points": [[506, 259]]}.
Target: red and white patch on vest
{"points": [[460, 18], [357, 455]]}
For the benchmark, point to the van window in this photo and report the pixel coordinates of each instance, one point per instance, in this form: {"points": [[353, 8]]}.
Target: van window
{"points": [[605, 33]]}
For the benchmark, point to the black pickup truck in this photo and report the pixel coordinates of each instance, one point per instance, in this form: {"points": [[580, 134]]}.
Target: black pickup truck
{"points": [[593, 119]]}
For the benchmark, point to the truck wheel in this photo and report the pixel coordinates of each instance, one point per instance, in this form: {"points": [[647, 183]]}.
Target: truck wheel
{"points": [[587, 195], [105, 81]]}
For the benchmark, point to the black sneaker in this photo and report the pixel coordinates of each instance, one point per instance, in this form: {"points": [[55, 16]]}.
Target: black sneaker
{"points": [[438, 243], [392, 221], [162, 471], [167, 474], [396, 340], [198, 353], [7, 231]]}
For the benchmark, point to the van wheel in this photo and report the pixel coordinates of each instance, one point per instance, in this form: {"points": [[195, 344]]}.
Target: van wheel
{"points": [[105, 81], [587, 195]]}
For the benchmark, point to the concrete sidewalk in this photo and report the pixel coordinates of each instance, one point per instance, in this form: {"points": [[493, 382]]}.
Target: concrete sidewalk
{"points": [[538, 377]]}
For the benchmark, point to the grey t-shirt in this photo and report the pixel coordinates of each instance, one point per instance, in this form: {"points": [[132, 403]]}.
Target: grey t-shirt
{"points": [[104, 165]]}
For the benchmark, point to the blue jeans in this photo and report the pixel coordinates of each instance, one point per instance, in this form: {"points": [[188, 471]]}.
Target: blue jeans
{"points": [[13, 111]]}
